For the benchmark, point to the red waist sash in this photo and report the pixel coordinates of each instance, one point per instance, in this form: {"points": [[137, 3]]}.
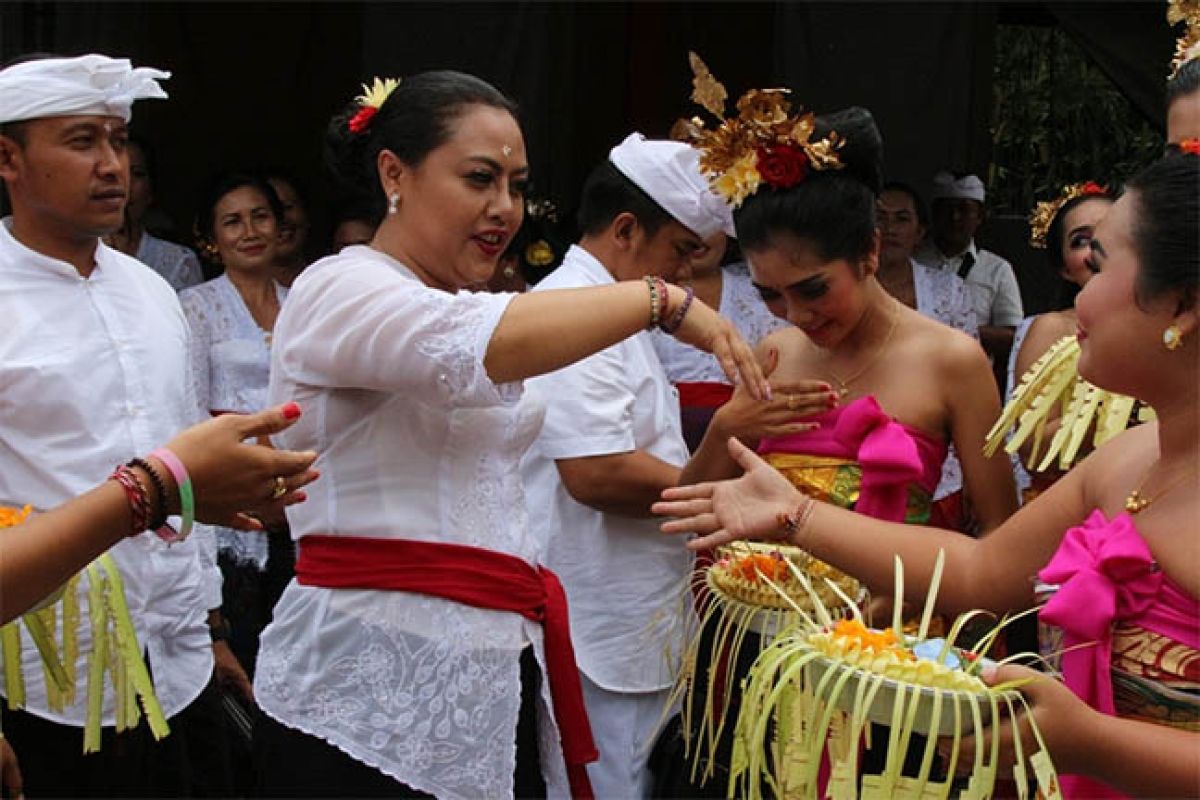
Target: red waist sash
{"points": [[704, 395], [475, 577]]}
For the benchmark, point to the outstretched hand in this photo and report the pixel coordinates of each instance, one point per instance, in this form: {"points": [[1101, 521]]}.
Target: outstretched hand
{"points": [[749, 507], [233, 478]]}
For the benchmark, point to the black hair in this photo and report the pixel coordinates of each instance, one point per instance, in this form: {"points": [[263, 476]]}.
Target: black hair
{"points": [[415, 119], [608, 193], [1184, 82], [224, 184], [833, 209], [1166, 226], [917, 201], [285, 175], [1054, 234], [150, 156], [540, 244]]}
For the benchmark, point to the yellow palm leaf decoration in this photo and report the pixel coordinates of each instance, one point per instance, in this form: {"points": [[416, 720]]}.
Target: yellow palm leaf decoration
{"points": [[1053, 382], [115, 649], [815, 688]]}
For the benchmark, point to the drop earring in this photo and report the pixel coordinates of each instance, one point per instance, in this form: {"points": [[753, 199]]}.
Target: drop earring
{"points": [[393, 202]]}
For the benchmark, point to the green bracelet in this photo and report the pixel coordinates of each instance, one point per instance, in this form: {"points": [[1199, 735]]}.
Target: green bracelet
{"points": [[187, 502]]}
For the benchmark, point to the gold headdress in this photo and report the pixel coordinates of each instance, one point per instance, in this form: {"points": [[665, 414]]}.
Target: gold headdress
{"points": [[1187, 47], [1044, 212], [762, 144]]}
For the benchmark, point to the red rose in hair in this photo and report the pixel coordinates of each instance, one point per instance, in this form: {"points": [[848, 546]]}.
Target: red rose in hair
{"points": [[359, 122], [1191, 146], [1091, 187], [782, 165]]}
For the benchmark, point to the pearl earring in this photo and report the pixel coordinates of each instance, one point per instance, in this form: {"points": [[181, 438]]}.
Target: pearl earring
{"points": [[1172, 337], [393, 202]]}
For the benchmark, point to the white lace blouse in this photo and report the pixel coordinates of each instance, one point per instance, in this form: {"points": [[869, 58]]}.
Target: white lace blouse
{"points": [[230, 364], [416, 442], [740, 304]]}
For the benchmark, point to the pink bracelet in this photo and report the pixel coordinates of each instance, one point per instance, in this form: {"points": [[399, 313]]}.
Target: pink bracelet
{"points": [[187, 502]]}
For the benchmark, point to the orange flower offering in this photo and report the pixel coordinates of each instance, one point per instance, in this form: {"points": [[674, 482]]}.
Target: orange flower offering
{"points": [[10, 517], [755, 564], [884, 641]]}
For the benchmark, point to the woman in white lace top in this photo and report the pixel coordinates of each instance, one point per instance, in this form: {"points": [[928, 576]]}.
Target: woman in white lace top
{"points": [[420, 649], [231, 318]]}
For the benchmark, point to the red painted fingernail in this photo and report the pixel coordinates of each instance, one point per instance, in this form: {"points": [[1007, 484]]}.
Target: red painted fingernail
{"points": [[301, 497], [291, 410]]}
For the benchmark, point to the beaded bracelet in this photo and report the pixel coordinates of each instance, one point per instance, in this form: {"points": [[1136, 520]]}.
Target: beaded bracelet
{"points": [[796, 523], [160, 491], [676, 321], [135, 493], [187, 502], [655, 312]]}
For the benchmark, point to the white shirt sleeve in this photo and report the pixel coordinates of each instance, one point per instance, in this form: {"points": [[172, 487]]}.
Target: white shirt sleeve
{"points": [[589, 410], [369, 327]]}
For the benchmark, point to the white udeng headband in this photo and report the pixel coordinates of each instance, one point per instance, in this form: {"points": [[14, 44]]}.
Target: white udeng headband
{"points": [[91, 84]]}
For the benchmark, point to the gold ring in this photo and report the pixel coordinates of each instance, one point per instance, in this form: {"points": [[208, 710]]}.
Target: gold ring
{"points": [[280, 488]]}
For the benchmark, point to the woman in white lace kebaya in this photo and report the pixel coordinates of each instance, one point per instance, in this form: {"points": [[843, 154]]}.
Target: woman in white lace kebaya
{"points": [[422, 649], [231, 318]]}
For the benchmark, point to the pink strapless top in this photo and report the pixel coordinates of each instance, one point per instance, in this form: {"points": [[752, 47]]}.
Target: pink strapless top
{"points": [[891, 455], [1105, 574]]}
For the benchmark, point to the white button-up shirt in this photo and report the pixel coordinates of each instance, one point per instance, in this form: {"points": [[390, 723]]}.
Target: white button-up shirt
{"points": [[624, 579], [93, 371], [991, 282], [416, 442]]}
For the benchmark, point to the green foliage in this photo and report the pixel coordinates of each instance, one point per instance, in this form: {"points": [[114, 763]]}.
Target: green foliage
{"points": [[1057, 119]]}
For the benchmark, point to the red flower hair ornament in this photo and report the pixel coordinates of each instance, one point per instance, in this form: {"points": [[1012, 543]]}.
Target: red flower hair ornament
{"points": [[370, 101]]}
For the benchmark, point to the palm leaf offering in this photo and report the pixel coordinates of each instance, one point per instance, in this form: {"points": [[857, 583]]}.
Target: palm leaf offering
{"points": [[115, 649], [814, 690], [749, 594], [1052, 383]]}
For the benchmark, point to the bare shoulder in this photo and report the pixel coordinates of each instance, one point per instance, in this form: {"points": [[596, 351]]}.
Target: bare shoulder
{"points": [[951, 351], [790, 341]]}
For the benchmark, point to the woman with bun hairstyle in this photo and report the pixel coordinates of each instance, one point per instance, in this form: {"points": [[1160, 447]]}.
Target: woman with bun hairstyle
{"points": [[813, 246], [1114, 540], [890, 387], [422, 648]]}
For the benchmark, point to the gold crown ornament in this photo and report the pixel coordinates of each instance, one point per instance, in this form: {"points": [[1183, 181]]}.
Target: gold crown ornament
{"points": [[764, 144], [1044, 212], [1187, 47]]}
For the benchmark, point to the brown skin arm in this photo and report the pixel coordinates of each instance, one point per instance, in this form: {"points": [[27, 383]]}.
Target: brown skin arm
{"points": [[626, 484]]}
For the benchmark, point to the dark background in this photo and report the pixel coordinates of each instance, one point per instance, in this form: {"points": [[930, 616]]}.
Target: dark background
{"points": [[255, 83]]}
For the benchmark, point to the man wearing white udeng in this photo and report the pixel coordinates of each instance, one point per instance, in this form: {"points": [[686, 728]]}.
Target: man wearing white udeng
{"points": [[611, 441]]}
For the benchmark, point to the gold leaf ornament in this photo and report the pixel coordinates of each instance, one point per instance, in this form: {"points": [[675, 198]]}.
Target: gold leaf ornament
{"points": [[707, 91]]}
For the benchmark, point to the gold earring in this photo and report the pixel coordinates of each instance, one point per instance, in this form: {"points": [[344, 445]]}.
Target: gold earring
{"points": [[1172, 337]]}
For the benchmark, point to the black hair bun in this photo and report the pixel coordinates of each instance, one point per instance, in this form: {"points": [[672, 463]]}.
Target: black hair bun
{"points": [[862, 153]]}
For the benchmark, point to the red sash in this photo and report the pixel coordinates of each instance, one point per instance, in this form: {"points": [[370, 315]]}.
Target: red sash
{"points": [[475, 577], [704, 395]]}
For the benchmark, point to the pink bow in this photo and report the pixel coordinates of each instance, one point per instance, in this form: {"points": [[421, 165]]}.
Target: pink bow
{"points": [[1104, 571], [888, 456]]}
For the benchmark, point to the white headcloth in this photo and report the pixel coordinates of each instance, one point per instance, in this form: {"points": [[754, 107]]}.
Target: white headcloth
{"points": [[948, 187], [84, 85], [670, 173]]}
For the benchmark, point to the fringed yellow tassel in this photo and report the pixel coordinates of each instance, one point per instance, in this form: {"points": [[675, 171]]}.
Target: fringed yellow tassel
{"points": [[1053, 382]]}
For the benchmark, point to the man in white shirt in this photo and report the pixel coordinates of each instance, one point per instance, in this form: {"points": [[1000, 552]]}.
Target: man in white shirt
{"points": [[93, 373], [957, 215], [611, 442]]}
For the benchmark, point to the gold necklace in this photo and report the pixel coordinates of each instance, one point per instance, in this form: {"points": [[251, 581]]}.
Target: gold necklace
{"points": [[1136, 503], [844, 384]]}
